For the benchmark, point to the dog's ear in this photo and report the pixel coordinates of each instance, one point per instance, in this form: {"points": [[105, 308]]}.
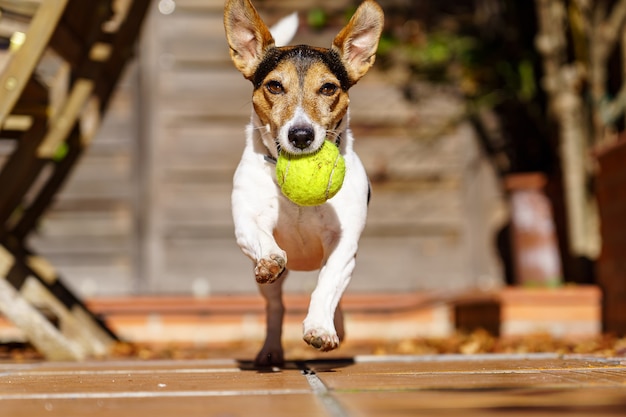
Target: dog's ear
{"points": [[358, 40], [248, 37]]}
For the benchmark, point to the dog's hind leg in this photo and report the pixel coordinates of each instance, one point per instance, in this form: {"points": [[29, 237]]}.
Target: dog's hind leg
{"points": [[272, 352]]}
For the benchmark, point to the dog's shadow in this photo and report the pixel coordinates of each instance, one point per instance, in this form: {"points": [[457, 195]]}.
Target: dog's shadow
{"points": [[316, 365]]}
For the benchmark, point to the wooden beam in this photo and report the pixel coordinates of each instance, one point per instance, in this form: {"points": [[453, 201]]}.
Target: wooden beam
{"points": [[19, 69]]}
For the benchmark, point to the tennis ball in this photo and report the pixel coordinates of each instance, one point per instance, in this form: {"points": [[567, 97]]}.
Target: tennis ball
{"points": [[311, 179]]}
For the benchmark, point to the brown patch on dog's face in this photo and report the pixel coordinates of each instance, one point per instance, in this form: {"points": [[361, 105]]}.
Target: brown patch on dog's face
{"points": [[324, 100], [275, 101], [300, 91]]}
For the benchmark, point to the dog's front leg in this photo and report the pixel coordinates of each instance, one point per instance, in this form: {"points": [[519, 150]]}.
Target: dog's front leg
{"points": [[255, 208], [255, 214], [320, 330], [259, 245]]}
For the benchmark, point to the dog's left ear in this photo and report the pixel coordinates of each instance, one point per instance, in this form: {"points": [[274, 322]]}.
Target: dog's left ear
{"points": [[248, 37], [358, 40]]}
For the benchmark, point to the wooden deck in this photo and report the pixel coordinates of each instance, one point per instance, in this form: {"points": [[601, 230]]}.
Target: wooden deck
{"points": [[360, 386]]}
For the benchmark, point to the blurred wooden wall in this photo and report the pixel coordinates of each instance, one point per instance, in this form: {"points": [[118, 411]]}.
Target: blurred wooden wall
{"points": [[148, 210]]}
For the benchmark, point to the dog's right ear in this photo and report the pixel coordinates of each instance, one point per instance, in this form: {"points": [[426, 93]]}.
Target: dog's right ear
{"points": [[248, 37]]}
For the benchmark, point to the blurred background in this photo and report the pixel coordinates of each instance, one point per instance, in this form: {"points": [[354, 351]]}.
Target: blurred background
{"points": [[490, 129]]}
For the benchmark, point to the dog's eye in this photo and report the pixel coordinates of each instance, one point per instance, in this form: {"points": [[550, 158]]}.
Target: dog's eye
{"points": [[275, 87], [328, 89]]}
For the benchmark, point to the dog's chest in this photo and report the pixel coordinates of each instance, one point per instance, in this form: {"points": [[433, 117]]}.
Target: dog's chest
{"points": [[306, 234]]}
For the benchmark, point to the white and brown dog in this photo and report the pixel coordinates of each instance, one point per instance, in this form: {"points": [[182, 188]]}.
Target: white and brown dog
{"points": [[300, 99]]}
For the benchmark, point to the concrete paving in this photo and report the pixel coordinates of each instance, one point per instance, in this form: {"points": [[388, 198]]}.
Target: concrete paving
{"points": [[360, 386]]}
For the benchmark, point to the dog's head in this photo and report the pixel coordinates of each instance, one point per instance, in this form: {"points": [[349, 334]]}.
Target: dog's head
{"points": [[301, 92]]}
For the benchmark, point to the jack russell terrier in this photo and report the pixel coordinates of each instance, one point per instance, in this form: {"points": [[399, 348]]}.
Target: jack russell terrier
{"points": [[300, 100]]}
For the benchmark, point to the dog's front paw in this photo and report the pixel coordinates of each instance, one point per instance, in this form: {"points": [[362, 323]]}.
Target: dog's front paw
{"points": [[269, 269], [321, 339]]}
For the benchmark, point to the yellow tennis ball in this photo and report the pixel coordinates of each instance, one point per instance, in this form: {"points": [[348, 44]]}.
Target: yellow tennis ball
{"points": [[311, 179]]}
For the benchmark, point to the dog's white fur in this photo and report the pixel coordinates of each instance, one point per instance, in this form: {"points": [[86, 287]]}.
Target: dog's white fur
{"points": [[285, 29], [323, 237]]}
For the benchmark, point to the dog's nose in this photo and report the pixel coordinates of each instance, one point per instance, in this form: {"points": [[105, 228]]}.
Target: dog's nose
{"points": [[301, 136]]}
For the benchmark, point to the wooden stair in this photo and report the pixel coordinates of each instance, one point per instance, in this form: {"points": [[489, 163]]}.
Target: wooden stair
{"points": [[57, 79]]}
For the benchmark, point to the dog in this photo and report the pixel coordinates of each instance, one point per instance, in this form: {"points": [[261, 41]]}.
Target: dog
{"points": [[300, 99]]}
